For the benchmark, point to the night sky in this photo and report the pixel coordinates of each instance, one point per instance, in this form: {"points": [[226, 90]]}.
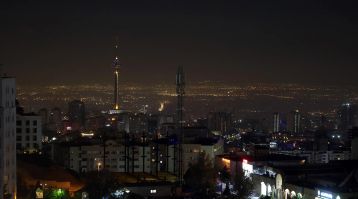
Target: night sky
{"points": [[61, 42]]}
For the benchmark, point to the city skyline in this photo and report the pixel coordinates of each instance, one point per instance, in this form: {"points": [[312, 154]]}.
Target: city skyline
{"points": [[298, 42], [175, 99]]}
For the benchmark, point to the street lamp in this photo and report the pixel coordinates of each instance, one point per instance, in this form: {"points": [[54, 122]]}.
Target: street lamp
{"points": [[98, 166]]}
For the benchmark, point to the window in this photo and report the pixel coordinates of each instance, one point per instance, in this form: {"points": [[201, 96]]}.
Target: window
{"points": [[27, 130], [18, 138], [34, 123], [18, 130], [34, 130], [27, 138], [27, 122], [18, 123], [34, 138]]}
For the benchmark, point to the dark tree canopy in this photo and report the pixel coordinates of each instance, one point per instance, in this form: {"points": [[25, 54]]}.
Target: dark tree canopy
{"points": [[201, 177]]}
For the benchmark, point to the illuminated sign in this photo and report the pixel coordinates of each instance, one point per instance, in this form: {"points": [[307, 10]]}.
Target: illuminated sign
{"points": [[248, 168], [153, 191], [273, 145], [87, 134], [324, 195], [263, 189], [39, 193], [111, 112]]}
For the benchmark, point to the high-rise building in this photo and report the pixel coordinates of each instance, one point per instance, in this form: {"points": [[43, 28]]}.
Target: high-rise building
{"points": [[43, 113], [55, 120], [276, 122], [295, 122], [116, 66], [7, 138], [347, 116], [129, 122], [76, 112], [220, 122]]}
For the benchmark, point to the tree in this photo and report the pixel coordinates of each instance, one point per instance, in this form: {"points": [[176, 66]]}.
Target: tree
{"points": [[100, 184], [56, 194], [224, 175], [201, 177], [242, 185]]}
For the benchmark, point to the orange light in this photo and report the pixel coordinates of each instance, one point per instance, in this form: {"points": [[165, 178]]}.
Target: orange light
{"points": [[227, 161]]}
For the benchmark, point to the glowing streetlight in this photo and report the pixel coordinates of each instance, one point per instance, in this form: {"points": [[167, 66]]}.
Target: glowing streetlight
{"points": [[98, 166]]}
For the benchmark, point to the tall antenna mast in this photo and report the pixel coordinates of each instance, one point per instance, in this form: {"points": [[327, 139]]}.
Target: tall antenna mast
{"points": [[180, 90]]}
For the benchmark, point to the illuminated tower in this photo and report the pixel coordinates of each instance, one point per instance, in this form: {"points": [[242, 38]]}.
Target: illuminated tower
{"points": [[116, 66], [180, 83]]}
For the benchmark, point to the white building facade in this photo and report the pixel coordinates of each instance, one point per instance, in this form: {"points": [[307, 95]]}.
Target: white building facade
{"points": [[28, 133], [318, 157], [118, 158]]}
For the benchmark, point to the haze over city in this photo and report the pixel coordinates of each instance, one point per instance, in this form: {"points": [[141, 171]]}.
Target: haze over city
{"points": [[305, 42]]}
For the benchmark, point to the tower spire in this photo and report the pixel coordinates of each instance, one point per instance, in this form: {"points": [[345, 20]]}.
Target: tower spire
{"points": [[116, 66]]}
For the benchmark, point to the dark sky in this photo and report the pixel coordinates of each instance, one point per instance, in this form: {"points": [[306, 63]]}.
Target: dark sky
{"points": [[296, 41]]}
